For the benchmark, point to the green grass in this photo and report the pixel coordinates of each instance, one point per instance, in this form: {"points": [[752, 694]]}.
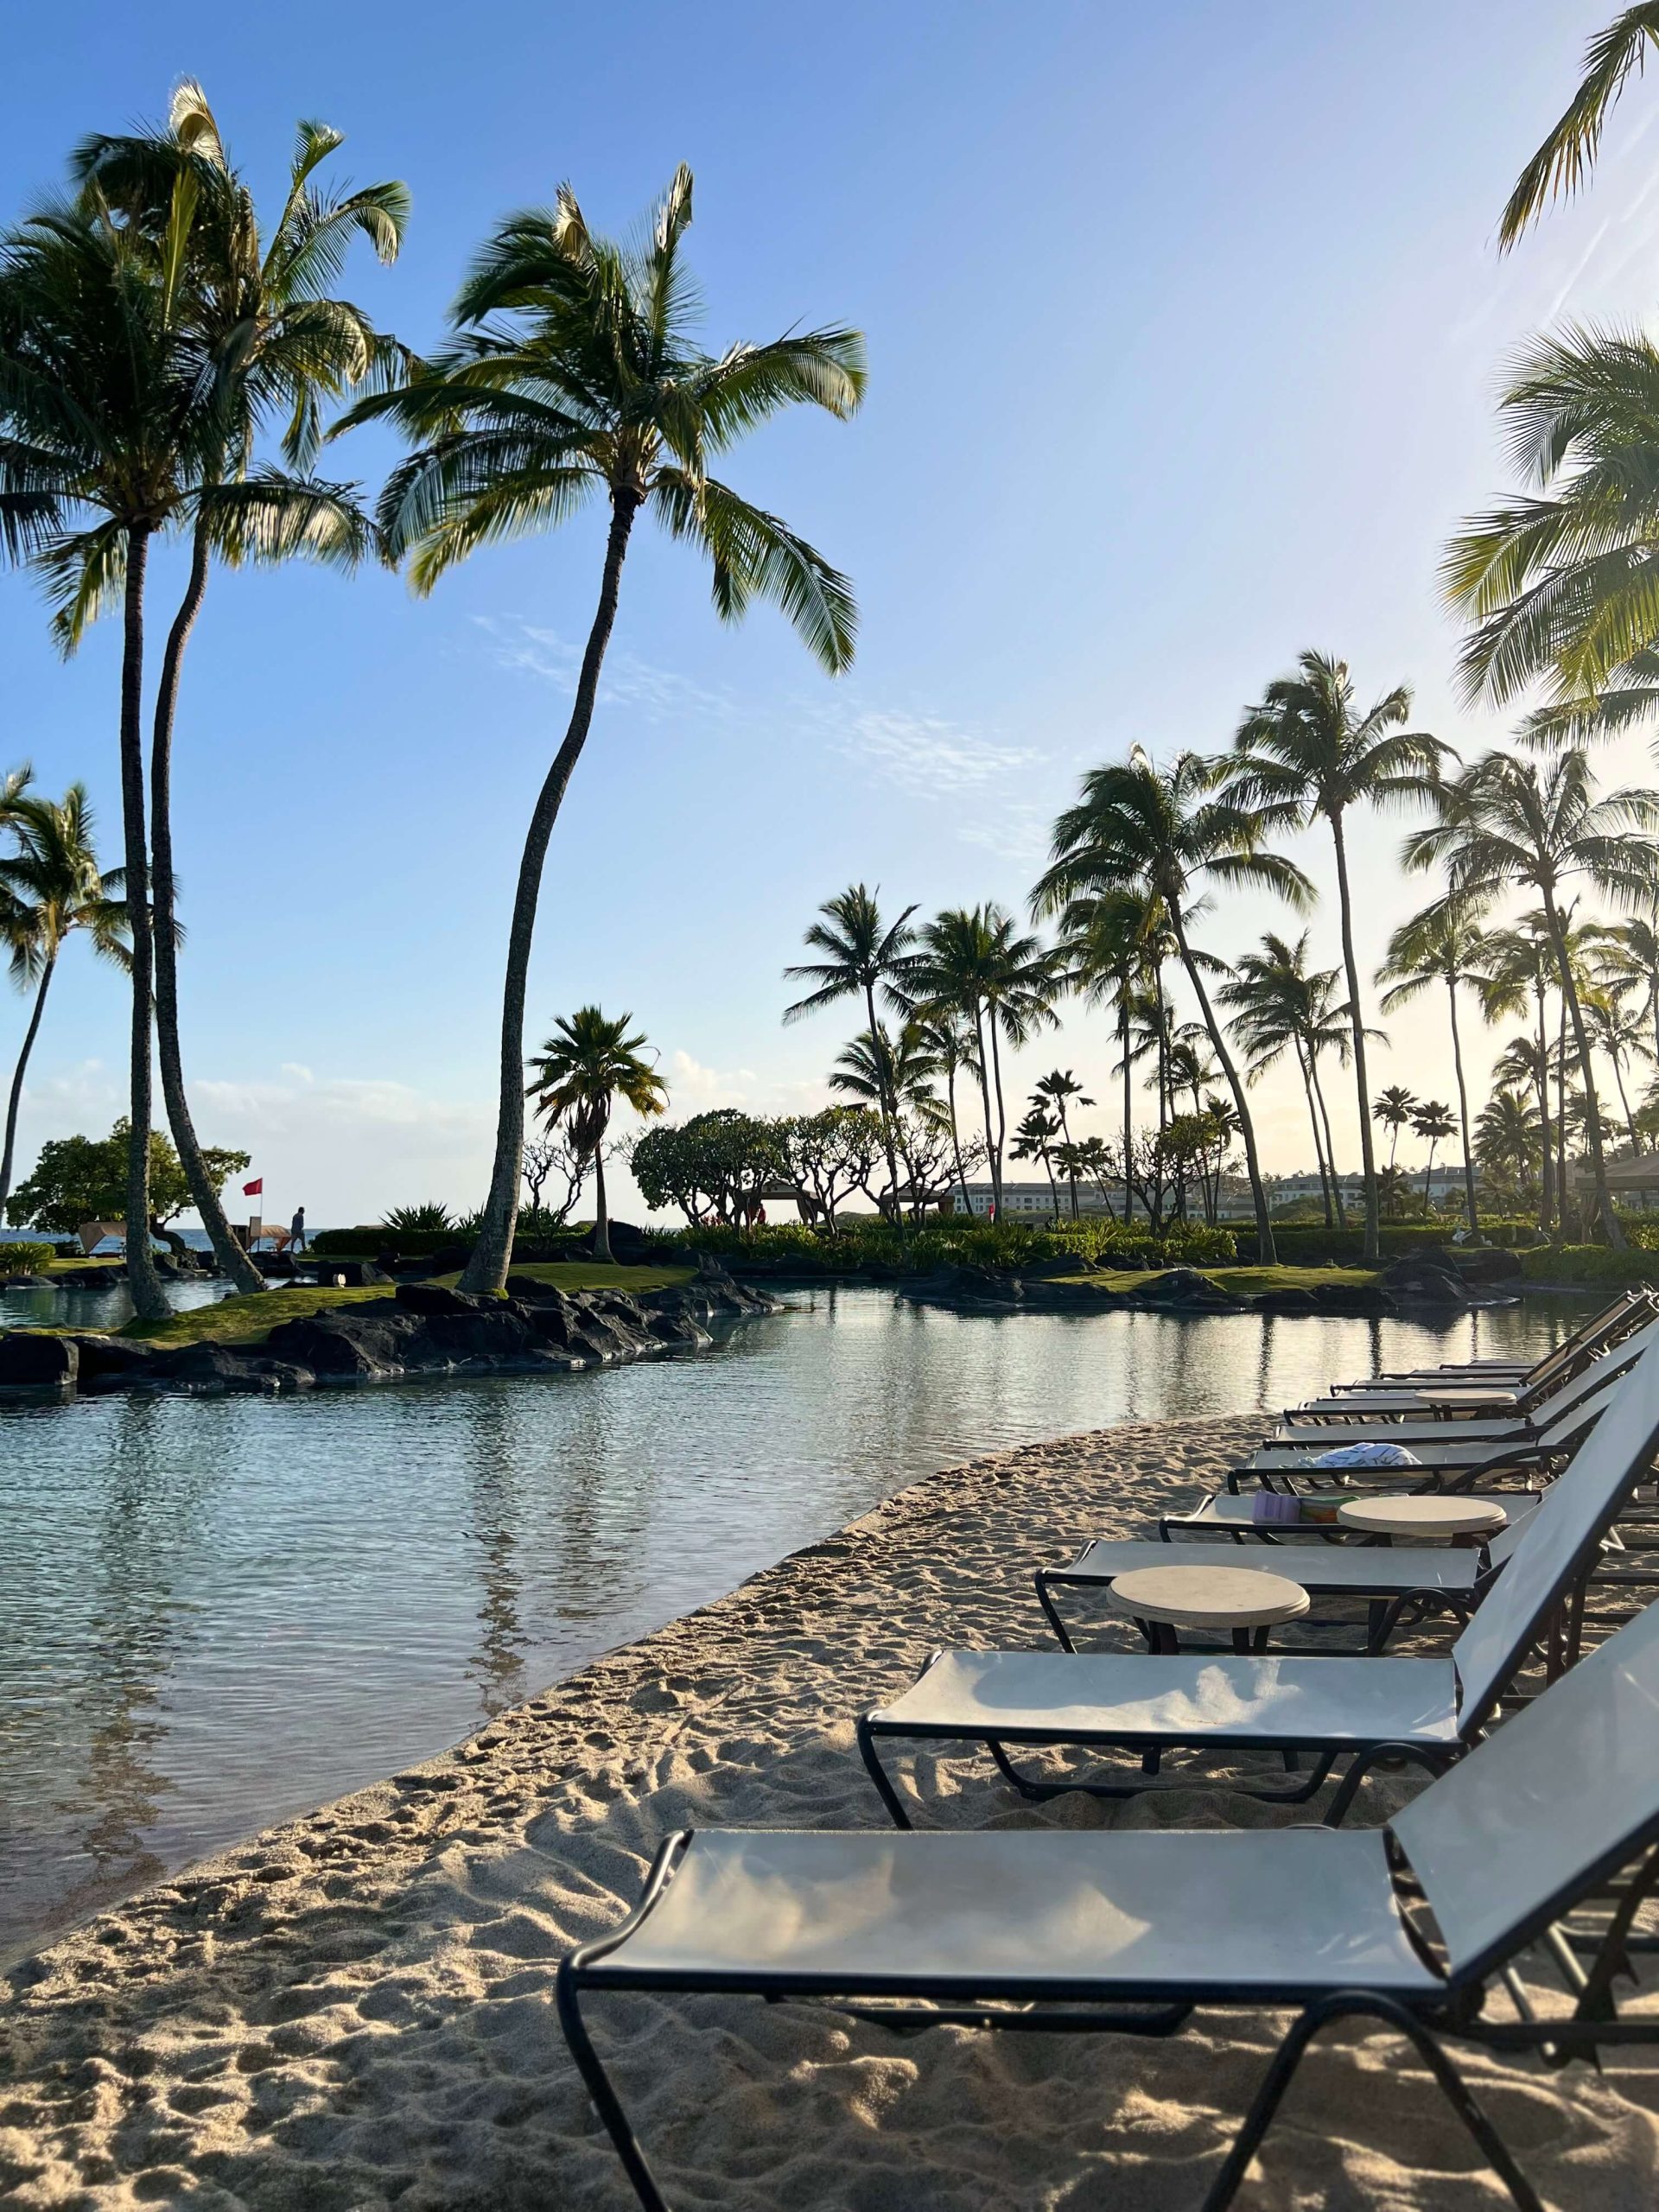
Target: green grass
{"points": [[246, 1320], [1243, 1283], [104, 1260]]}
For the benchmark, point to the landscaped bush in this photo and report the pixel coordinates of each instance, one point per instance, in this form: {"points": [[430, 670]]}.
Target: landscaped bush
{"points": [[1307, 1245], [21, 1259], [942, 1242], [1592, 1264]]}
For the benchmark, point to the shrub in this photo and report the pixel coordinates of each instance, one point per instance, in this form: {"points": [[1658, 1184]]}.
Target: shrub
{"points": [[19, 1258], [1591, 1264], [948, 1241], [432, 1220], [1301, 1244]]}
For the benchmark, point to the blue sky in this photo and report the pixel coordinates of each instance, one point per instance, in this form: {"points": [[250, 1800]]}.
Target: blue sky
{"points": [[1184, 328]]}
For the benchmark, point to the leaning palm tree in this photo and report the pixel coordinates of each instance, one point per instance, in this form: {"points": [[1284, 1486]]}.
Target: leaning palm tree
{"points": [[276, 344], [1306, 750], [1505, 825], [1393, 1107], [107, 427], [573, 376], [1279, 1005], [948, 1042], [1431, 1120], [1621, 1033], [1442, 944], [1166, 834], [583, 1068], [1569, 153], [51, 886], [859, 955]]}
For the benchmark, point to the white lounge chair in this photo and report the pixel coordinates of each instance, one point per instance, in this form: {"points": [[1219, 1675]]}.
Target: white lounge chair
{"points": [[1127, 1932]]}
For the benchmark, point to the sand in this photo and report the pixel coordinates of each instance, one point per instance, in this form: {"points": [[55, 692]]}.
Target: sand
{"points": [[353, 2011]]}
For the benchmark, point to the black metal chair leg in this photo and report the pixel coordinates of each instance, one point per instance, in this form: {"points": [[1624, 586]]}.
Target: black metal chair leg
{"points": [[1361, 1765], [878, 1775], [1054, 1621], [605, 2102], [1288, 2057]]}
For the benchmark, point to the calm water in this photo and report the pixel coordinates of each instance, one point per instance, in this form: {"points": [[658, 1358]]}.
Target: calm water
{"points": [[215, 1613]]}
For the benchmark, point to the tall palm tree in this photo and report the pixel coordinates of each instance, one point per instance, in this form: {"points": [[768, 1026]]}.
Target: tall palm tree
{"points": [[107, 427], [1629, 957], [1280, 1005], [957, 968], [276, 343], [1518, 975], [1568, 155], [1109, 942], [1055, 1093], [51, 886], [1503, 824], [861, 955], [1033, 1139], [1431, 1120], [1166, 835], [1621, 1033], [573, 376], [948, 1042], [1442, 944], [1393, 1107], [1306, 750], [1023, 981], [583, 1068]]}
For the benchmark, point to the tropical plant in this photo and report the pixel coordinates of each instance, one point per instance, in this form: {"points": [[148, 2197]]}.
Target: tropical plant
{"points": [[1432, 1122], [954, 971], [1519, 972], [1393, 1107], [1622, 1034], [1278, 1003], [1110, 943], [1505, 825], [430, 1218], [50, 887], [1033, 1139], [573, 376], [1629, 957], [861, 955], [1441, 944], [949, 1043], [1165, 834], [588, 1063], [1508, 1143], [1309, 752], [274, 342], [546, 1156], [830, 1155], [1057, 1092], [1564, 160]]}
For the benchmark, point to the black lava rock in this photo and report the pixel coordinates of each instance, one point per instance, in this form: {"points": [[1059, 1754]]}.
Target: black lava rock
{"points": [[30, 1361]]}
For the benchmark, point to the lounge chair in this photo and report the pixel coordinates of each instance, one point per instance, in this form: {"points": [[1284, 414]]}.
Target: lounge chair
{"points": [[1460, 1400], [1604, 1327], [1427, 1709], [1127, 1932]]}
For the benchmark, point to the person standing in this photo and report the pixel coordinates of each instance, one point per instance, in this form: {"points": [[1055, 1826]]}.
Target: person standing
{"points": [[296, 1230]]}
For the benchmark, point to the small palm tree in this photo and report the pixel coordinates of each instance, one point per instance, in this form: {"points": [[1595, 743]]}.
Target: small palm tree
{"points": [[972, 964], [582, 1069], [1507, 1134], [1621, 1033], [1033, 1139], [1165, 835], [573, 376], [1629, 959], [51, 886], [948, 1044], [1393, 1109], [1504, 825], [1307, 751], [1564, 160], [1433, 1121], [861, 955], [1055, 1094], [1518, 973], [1442, 944]]}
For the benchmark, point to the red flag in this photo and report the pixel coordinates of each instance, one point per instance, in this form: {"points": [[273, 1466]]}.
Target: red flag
{"points": [[254, 1190]]}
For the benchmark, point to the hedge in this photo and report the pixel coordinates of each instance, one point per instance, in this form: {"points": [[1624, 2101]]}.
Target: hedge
{"points": [[1590, 1264], [1301, 1244], [864, 1242], [17, 1258]]}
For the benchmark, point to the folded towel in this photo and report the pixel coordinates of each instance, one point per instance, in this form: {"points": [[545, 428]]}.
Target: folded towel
{"points": [[1368, 1455]]}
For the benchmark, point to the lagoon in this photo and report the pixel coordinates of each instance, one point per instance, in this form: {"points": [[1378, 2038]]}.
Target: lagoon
{"points": [[217, 1612]]}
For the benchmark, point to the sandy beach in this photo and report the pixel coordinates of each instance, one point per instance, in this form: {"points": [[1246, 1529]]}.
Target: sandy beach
{"points": [[353, 2012]]}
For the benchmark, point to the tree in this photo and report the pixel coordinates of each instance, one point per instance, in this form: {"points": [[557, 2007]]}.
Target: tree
{"points": [[1393, 1109], [1519, 972], [1620, 1032], [954, 973], [50, 887], [949, 1043], [828, 1154], [1279, 1003], [1033, 1139], [1503, 825], [1629, 957], [1056, 1092], [1433, 1121], [1442, 944], [1165, 834], [572, 376], [583, 1068], [1564, 160], [860, 955], [1307, 751], [716, 1163], [1508, 1144], [85, 1179], [275, 343], [545, 1157]]}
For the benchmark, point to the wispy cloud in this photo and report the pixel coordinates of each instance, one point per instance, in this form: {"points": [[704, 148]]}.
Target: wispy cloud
{"points": [[660, 694], [926, 754]]}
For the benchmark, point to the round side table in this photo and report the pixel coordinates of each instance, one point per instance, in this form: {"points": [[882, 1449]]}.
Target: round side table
{"points": [[1466, 1520], [1247, 1600]]}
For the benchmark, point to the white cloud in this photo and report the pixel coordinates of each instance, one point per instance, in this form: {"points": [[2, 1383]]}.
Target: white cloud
{"points": [[926, 755], [660, 694]]}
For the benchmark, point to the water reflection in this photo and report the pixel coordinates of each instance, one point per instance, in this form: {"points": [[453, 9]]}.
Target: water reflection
{"points": [[214, 1613]]}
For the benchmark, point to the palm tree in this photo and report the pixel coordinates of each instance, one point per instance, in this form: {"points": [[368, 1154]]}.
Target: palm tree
{"points": [[1508, 1136], [573, 376], [276, 342], [1630, 957], [1278, 1004], [1433, 1121], [1306, 750], [1054, 1094], [957, 968], [1393, 1109], [1503, 824], [1519, 973], [1109, 942], [948, 1044], [1022, 980], [50, 887], [1164, 835], [1564, 160], [1621, 1033], [1442, 944], [1033, 1139], [582, 1069], [861, 955], [107, 426]]}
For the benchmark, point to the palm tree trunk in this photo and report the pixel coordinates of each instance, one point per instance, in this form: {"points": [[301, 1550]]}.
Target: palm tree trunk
{"points": [[887, 1112], [1313, 1115], [486, 1270], [1001, 1111], [1428, 1175], [1128, 1103], [1592, 1111], [1330, 1146], [1547, 1193], [204, 1194], [993, 1157], [956, 1134], [601, 1210], [1624, 1099], [149, 1301], [1367, 1157], [1463, 1109], [16, 1099], [1266, 1251], [1163, 1035]]}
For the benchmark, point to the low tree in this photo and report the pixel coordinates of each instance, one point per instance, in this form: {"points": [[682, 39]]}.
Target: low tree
{"points": [[716, 1163], [830, 1155], [550, 1157], [85, 1179], [588, 1063]]}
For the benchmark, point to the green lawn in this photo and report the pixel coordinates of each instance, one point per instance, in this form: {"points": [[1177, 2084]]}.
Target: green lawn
{"points": [[104, 1260], [245, 1320], [1243, 1283]]}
